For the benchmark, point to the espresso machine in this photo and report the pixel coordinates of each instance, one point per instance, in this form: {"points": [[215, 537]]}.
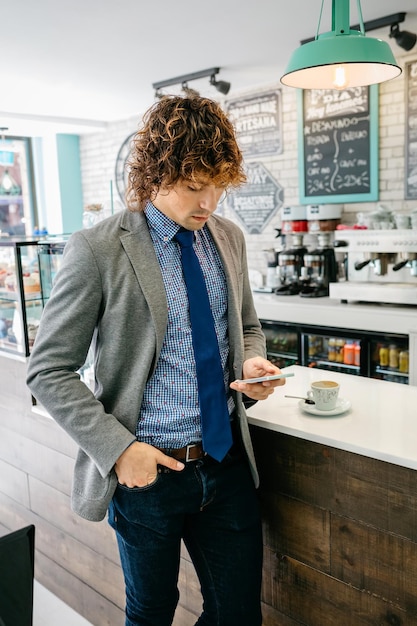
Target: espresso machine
{"points": [[290, 259], [320, 268], [307, 263], [381, 266], [290, 264]]}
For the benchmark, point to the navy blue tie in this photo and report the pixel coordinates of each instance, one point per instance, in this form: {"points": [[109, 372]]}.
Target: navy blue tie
{"points": [[215, 420]]}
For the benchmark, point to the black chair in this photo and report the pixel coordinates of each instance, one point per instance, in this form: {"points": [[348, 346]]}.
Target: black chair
{"points": [[17, 563]]}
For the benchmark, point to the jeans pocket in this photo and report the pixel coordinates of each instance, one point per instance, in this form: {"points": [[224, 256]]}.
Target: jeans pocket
{"points": [[139, 489]]}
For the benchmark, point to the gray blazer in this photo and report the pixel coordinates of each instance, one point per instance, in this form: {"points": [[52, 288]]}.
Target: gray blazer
{"points": [[110, 291]]}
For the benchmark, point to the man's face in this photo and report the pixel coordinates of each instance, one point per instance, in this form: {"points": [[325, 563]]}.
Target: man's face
{"points": [[190, 204]]}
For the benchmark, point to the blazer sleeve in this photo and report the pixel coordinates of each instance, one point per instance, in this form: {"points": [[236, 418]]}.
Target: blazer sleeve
{"points": [[65, 333]]}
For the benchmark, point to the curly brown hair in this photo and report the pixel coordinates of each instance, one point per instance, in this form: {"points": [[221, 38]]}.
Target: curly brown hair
{"points": [[182, 138]]}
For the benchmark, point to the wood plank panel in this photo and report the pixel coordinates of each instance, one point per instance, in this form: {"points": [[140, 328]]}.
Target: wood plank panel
{"points": [[373, 491], [380, 563], [272, 617], [16, 411], [36, 459], [78, 559], [14, 483], [297, 529], [39, 428], [376, 493], [183, 617], [13, 382], [4, 530], [189, 587], [97, 535], [294, 467], [95, 607], [316, 599]]}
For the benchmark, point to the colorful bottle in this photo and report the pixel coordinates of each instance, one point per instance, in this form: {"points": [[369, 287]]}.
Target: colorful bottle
{"points": [[383, 356], [394, 354], [357, 353], [349, 353], [340, 344], [331, 352], [403, 361]]}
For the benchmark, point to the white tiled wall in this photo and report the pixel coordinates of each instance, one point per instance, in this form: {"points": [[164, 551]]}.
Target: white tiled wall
{"points": [[99, 152]]}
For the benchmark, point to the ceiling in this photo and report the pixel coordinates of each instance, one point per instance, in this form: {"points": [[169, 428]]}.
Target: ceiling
{"points": [[82, 63]]}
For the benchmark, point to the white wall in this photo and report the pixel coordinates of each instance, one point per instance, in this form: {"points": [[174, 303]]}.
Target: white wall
{"points": [[99, 152]]}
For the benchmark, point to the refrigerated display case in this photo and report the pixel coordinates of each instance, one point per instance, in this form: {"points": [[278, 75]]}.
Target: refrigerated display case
{"points": [[352, 352], [389, 358], [50, 253], [282, 343], [334, 350], [373, 355], [20, 295]]}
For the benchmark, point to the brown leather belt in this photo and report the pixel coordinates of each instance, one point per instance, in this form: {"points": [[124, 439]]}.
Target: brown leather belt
{"points": [[192, 452]]}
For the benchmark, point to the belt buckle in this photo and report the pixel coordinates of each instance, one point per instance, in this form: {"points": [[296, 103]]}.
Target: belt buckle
{"points": [[187, 454]]}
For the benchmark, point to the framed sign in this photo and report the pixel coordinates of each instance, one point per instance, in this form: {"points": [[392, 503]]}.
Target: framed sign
{"points": [[338, 145], [411, 130], [258, 123]]}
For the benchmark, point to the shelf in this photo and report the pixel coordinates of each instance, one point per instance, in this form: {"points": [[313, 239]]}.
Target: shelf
{"points": [[390, 372], [283, 355], [333, 364]]}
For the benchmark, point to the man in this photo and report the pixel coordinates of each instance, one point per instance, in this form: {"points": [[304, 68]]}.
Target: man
{"points": [[142, 434]]}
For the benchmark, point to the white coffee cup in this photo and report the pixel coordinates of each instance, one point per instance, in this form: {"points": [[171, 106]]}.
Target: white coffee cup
{"points": [[325, 394]]}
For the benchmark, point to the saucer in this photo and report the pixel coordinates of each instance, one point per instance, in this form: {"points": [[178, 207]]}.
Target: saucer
{"points": [[342, 406]]}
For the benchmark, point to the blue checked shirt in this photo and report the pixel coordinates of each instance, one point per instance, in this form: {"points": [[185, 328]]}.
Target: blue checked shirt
{"points": [[170, 414]]}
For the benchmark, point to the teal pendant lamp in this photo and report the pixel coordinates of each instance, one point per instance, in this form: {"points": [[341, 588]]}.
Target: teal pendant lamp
{"points": [[341, 58]]}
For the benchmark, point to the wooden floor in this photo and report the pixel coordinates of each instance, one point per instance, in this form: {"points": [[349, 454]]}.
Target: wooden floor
{"points": [[49, 610]]}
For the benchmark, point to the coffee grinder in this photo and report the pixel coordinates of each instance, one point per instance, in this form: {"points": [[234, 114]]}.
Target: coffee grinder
{"points": [[291, 258], [272, 278], [290, 263], [320, 269]]}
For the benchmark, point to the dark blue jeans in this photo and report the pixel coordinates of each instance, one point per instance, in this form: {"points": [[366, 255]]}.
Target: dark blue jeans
{"points": [[214, 508]]}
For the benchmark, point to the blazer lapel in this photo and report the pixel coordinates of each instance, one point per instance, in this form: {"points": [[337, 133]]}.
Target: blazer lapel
{"points": [[139, 248], [226, 254]]}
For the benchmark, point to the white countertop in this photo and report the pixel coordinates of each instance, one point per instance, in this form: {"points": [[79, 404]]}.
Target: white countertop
{"points": [[331, 312], [381, 423]]}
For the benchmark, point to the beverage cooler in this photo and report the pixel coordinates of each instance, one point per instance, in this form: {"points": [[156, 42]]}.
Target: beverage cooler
{"points": [[282, 343], [353, 352]]}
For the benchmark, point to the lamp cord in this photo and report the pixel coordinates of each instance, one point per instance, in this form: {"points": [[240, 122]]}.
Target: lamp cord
{"points": [[321, 13], [359, 8]]}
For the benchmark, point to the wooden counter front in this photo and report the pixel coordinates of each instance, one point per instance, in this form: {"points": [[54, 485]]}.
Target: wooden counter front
{"points": [[340, 529]]}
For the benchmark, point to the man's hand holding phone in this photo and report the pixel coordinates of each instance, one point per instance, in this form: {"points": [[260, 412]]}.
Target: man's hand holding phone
{"points": [[260, 377]]}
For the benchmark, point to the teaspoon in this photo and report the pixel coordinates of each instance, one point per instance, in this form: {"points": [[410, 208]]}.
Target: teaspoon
{"points": [[306, 400]]}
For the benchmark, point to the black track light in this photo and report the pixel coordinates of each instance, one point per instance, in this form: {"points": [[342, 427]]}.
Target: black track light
{"points": [[221, 85], [403, 38]]}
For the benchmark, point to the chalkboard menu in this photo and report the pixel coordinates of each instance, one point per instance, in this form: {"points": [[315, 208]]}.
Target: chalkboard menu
{"points": [[338, 145], [411, 131]]}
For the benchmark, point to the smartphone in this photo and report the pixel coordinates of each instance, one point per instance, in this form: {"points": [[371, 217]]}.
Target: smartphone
{"points": [[262, 379]]}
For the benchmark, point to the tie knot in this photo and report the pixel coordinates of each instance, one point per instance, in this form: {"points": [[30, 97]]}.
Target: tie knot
{"points": [[185, 238]]}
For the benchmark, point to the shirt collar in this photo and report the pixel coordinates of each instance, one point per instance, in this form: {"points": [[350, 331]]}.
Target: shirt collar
{"points": [[163, 227]]}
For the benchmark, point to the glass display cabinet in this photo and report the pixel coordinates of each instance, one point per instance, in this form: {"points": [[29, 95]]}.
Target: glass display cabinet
{"points": [[20, 295], [50, 256]]}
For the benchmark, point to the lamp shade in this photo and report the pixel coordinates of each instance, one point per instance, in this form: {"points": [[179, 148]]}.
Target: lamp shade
{"points": [[320, 63]]}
